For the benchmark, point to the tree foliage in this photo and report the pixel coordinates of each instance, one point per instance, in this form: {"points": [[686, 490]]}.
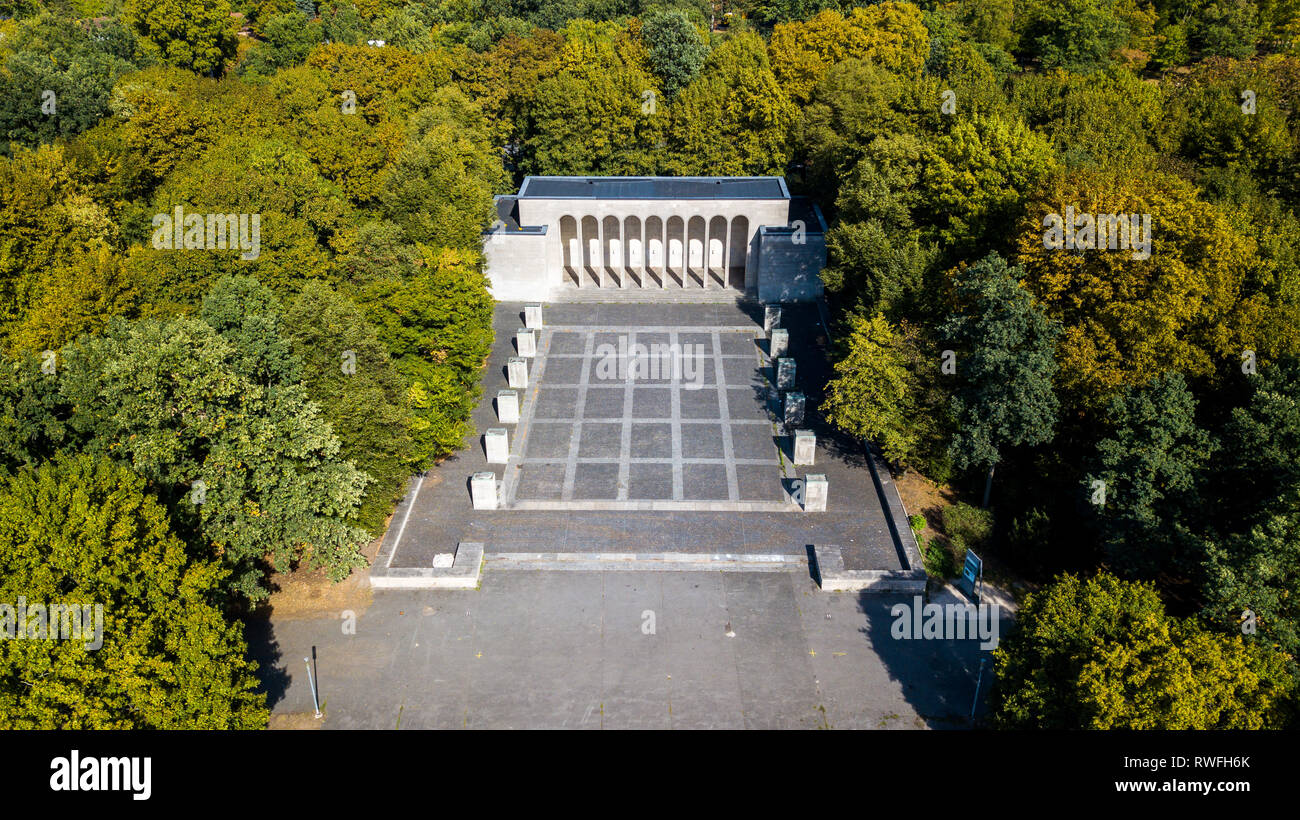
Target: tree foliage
{"points": [[86, 532]]}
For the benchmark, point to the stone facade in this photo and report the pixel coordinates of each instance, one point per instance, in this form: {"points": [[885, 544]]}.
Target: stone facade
{"points": [[562, 235]]}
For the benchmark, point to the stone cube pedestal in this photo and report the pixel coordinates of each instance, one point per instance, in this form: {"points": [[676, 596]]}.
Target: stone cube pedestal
{"points": [[532, 316], [517, 370], [507, 407], [483, 491], [805, 446], [814, 493], [497, 443], [771, 317], [526, 341], [784, 373], [780, 342], [794, 403]]}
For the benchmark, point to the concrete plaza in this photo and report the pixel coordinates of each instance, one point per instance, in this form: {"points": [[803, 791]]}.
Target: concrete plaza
{"points": [[621, 650], [646, 462]]}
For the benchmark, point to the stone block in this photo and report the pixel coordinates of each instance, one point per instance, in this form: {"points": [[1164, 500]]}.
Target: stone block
{"points": [[497, 443], [517, 370], [771, 317], [805, 446], [780, 342], [483, 490], [784, 373], [794, 403], [508, 406], [526, 341], [533, 316], [814, 493]]}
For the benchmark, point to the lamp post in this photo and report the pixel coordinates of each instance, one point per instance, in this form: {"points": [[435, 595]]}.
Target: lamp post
{"points": [[310, 680]]}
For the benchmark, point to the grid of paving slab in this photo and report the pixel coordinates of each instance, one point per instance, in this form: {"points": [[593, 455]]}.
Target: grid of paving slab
{"points": [[615, 470], [647, 418]]}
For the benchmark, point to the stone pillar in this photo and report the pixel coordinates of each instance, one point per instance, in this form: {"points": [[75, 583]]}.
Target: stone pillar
{"points": [[497, 444], [793, 415], [517, 370], [483, 490], [601, 271], [784, 373], [814, 493], [507, 407], [704, 255], [532, 316], [526, 341], [780, 342], [805, 447], [624, 268], [726, 254], [663, 252], [771, 317]]}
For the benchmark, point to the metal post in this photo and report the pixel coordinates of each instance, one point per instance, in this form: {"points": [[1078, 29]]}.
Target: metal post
{"points": [[310, 680], [978, 681]]}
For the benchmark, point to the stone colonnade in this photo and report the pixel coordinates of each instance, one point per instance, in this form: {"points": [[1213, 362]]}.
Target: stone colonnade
{"points": [[651, 251]]}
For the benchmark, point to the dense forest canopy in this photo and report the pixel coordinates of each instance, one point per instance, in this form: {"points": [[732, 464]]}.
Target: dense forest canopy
{"points": [[263, 403]]}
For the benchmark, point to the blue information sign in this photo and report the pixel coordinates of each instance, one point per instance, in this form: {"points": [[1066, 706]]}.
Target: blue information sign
{"points": [[974, 568]]}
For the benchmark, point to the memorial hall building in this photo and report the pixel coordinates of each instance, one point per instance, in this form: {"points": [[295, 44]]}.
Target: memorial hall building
{"points": [[563, 238]]}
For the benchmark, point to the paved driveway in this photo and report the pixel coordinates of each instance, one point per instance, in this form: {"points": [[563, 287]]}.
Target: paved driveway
{"points": [[621, 649]]}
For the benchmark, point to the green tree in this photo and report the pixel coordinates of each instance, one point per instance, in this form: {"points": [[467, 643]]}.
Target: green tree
{"points": [[288, 39], [1259, 469], [973, 180], [79, 63], [675, 49], [595, 121], [1004, 366], [1258, 571], [1201, 297], [871, 268], [1077, 35], [1102, 653], [1149, 465], [176, 401], [872, 394], [192, 34], [437, 326], [85, 532], [1173, 674], [439, 189], [347, 370], [734, 119]]}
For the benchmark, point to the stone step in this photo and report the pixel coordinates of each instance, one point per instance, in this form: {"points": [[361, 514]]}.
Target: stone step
{"points": [[644, 562], [612, 294]]}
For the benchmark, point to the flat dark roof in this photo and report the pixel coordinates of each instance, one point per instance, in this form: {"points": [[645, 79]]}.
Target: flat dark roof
{"points": [[654, 188]]}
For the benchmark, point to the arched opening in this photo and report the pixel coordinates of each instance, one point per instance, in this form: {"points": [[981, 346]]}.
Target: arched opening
{"points": [[634, 262], [612, 255], [654, 248], [738, 252], [695, 251], [717, 266], [571, 248], [695, 255], [591, 248], [676, 239]]}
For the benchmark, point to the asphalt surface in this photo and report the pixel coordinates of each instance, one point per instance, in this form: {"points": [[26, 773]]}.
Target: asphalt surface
{"points": [[621, 650]]}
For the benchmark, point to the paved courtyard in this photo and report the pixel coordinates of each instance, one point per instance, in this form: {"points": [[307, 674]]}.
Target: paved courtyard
{"points": [[623, 419], [616, 650], [609, 460]]}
